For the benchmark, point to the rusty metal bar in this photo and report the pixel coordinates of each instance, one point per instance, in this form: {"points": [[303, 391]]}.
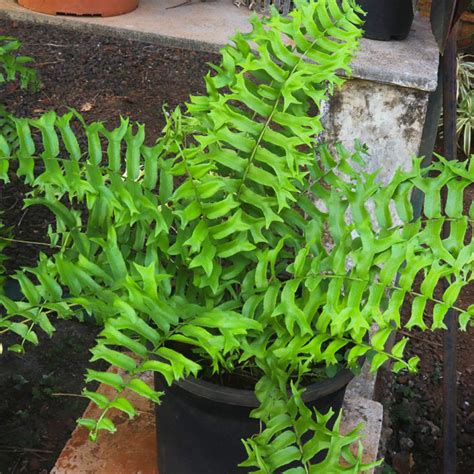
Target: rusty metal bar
{"points": [[450, 335]]}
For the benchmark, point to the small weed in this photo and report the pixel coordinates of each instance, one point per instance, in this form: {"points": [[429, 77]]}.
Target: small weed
{"points": [[46, 386], [23, 414], [405, 391], [401, 413], [18, 382]]}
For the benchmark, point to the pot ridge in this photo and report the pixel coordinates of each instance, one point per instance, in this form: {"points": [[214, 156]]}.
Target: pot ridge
{"points": [[246, 398]]}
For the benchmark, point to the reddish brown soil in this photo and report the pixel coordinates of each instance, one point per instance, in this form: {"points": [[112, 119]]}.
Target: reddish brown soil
{"points": [[415, 402]]}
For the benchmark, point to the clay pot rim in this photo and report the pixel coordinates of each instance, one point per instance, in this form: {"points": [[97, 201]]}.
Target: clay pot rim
{"points": [[102, 8], [468, 17]]}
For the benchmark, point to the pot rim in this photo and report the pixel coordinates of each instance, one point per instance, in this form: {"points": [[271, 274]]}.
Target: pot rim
{"points": [[102, 8], [468, 17], [246, 398]]}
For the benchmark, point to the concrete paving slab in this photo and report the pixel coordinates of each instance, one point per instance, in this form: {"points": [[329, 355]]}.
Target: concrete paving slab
{"points": [[201, 26], [132, 449], [207, 25]]}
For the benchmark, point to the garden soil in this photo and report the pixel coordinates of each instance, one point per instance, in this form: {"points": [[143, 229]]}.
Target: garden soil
{"points": [[414, 402], [105, 78]]}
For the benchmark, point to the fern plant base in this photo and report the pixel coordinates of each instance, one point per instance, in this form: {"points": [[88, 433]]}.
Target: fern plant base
{"points": [[134, 447]]}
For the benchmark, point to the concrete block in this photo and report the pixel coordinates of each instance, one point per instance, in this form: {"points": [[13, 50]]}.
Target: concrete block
{"points": [[363, 385], [359, 410], [387, 118]]}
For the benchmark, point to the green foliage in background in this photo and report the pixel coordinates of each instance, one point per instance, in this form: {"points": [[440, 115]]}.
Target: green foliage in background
{"points": [[465, 103], [3, 244], [14, 67], [239, 236], [465, 109]]}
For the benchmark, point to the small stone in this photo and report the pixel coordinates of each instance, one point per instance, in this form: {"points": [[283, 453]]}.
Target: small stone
{"points": [[406, 443], [401, 462], [435, 430], [402, 379]]}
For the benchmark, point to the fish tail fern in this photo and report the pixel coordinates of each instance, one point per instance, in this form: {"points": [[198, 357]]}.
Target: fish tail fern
{"points": [[240, 237]]}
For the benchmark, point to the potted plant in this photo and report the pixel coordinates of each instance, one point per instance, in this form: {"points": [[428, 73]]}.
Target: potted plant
{"points": [[238, 259], [466, 27], [81, 7], [387, 19]]}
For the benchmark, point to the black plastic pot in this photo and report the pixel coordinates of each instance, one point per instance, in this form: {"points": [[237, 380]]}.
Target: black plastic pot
{"points": [[387, 19], [200, 425]]}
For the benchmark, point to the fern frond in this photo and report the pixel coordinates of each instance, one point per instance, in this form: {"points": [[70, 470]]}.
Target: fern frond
{"points": [[15, 66], [294, 435]]}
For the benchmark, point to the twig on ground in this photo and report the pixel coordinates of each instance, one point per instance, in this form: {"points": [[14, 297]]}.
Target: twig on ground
{"points": [[47, 63], [414, 336], [19, 449]]}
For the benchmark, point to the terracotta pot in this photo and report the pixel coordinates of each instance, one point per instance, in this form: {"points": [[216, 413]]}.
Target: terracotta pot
{"points": [[466, 30], [81, 7]]}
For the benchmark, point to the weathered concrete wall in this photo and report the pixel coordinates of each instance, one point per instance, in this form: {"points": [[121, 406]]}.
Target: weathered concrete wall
{"points": [[388, 119], [384, 103]]}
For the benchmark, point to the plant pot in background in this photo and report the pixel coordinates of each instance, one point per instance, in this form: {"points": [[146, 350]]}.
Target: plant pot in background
{"points": [[81, 7], [466, 31], [200, 425], [387, 19]]}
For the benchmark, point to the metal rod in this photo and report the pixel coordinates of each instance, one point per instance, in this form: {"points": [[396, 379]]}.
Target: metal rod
{"points": [[450, 335]]}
